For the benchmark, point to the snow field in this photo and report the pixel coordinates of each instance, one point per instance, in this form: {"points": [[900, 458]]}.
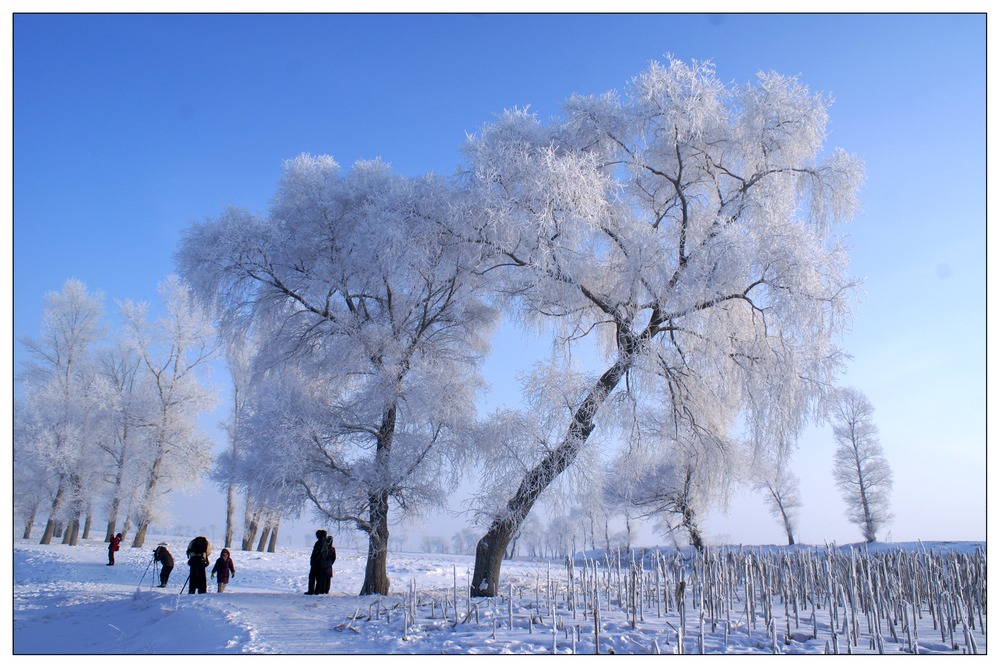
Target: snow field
{"points": [[905, 599]]}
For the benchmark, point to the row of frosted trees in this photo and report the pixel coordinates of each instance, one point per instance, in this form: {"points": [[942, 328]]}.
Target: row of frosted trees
{"points": [[107, 428], [677, 244]]}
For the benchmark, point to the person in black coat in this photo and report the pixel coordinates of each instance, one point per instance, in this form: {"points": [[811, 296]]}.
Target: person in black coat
{"points": [[166, 560], [197, 554], [329, 556], [317, 563]]}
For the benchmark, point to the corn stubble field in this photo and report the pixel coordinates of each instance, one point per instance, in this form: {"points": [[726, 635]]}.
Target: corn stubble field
{"points": [[727, 600]]}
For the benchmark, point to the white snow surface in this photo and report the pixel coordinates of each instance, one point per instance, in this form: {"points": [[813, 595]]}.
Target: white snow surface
{"points": [[66, 600]]}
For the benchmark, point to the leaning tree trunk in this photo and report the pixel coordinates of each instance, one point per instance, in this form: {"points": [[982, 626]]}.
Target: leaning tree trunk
{"points": [[788, 525], [151, 484], [493, 546], [263, 536], [50, 525]]}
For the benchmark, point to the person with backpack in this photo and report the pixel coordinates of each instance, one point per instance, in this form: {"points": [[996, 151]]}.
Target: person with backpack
{"points": [[317, 562], [113, 547], [223, 569], [166, 560], [197, 555]]}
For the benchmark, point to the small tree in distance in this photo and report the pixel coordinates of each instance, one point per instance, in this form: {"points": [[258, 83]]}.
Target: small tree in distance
{"points": [[780, 488], [860, 469]]}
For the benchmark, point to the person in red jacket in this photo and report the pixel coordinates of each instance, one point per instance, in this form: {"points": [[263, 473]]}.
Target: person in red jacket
{"points": [[223, 569], [112, 548]]}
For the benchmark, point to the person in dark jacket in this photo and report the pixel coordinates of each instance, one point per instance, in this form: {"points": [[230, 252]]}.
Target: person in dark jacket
{"points": [[166, 560], [112, 548], [330, 556], [223, 569], [197, 554], [317, 562]]}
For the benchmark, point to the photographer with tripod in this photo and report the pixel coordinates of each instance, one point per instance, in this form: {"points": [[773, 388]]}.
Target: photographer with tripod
{"points": [[163, 556]]}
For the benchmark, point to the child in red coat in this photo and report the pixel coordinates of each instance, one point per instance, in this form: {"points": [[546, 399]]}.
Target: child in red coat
{"points": [[223, 569]]}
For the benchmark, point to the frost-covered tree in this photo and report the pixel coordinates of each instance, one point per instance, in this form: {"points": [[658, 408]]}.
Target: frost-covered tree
{"points": [[780, 488], [688, 225], [860, 469], [30, 475], [375, 325], [677, 482], [175, 350], [57, 380], [126, 397]]}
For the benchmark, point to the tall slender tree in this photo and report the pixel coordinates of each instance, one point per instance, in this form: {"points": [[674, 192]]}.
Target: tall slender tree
{"points": [[860, 469], [123, 426], [687, 224], [175, 350]]}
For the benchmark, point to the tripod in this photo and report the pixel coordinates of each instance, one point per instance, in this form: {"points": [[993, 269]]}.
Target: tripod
{"points": [[152, 560]]}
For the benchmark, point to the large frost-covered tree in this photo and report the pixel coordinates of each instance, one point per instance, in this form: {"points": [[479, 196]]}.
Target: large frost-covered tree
{"points": [[175, 350], [57, 380], [860, 469], [688, 225], [375, 325]]}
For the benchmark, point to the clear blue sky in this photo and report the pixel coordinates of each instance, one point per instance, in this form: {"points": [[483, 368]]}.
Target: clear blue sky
{"points": [[129, 127]]}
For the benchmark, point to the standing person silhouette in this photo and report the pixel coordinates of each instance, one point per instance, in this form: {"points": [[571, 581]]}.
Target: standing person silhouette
{"points": [[197, 554], [317, 563]]}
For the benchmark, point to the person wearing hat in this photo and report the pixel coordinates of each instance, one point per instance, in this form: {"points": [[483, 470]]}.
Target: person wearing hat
{"points": [[166, 560]]}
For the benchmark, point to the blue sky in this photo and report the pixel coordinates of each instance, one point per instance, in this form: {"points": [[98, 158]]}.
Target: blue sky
{"points": [[126, 128]]}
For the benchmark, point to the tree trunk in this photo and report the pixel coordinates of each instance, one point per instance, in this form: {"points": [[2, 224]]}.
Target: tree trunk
{"points": [[72, 534], [263, 537], [86, 525], [868, 530], [788, 524], [140, 534], [29, 522], [376, 578], [250, 520], [694, 533], [230, 514], [116, 504], [273, 543], [492, 547], [51, 524]]}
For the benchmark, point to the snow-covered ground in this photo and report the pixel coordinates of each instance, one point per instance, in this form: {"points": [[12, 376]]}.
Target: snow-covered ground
{"points": [[66, 600]]}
